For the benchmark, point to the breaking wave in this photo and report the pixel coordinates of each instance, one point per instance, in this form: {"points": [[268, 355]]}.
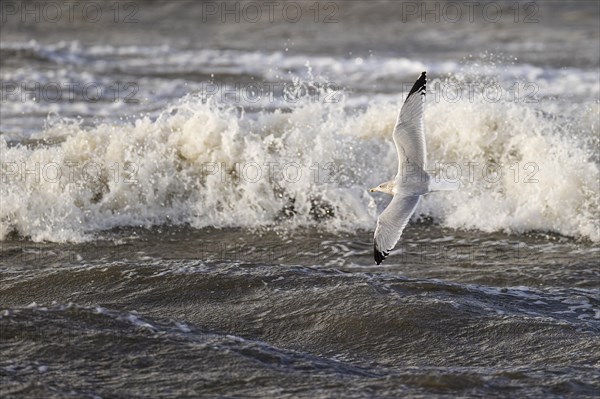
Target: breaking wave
{"points": [[207, 164]]}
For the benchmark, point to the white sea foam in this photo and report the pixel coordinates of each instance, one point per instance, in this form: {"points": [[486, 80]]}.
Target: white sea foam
{"points": [[157, 171]]}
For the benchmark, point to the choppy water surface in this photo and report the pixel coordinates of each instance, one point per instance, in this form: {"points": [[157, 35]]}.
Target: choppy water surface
{"points": [[195, 243], [225, 312]]}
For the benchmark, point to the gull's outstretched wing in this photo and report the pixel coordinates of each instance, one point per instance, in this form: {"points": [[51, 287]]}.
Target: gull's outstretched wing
{"points": [[391, 223], [409, 133]]}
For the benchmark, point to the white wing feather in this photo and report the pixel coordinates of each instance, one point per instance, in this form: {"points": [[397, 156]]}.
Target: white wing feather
{"points": [[391, 223], [409, 132]]}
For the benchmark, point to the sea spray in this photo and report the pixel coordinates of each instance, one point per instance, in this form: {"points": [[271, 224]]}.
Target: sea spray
{"points": [[204, 163]]}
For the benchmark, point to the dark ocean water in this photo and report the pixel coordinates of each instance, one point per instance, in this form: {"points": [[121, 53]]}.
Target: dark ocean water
{"points": [[223, 313], [198, 225]]}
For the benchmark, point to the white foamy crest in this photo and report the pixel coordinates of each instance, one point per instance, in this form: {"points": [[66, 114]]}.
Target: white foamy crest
{"points": [[207, 165], [541, 176]]}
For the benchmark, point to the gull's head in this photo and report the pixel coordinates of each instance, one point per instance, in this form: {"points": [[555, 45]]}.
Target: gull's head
{"points": [[386, 188]]}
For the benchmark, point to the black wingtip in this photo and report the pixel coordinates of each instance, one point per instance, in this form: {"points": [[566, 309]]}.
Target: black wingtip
{"points": [[379, 255], [419, 86]]}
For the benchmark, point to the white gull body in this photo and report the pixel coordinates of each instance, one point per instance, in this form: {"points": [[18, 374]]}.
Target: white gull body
{"points": [[411, 181]]}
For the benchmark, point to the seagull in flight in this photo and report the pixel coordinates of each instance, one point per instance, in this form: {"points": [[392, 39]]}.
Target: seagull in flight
{"points": [[411, 181]]}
